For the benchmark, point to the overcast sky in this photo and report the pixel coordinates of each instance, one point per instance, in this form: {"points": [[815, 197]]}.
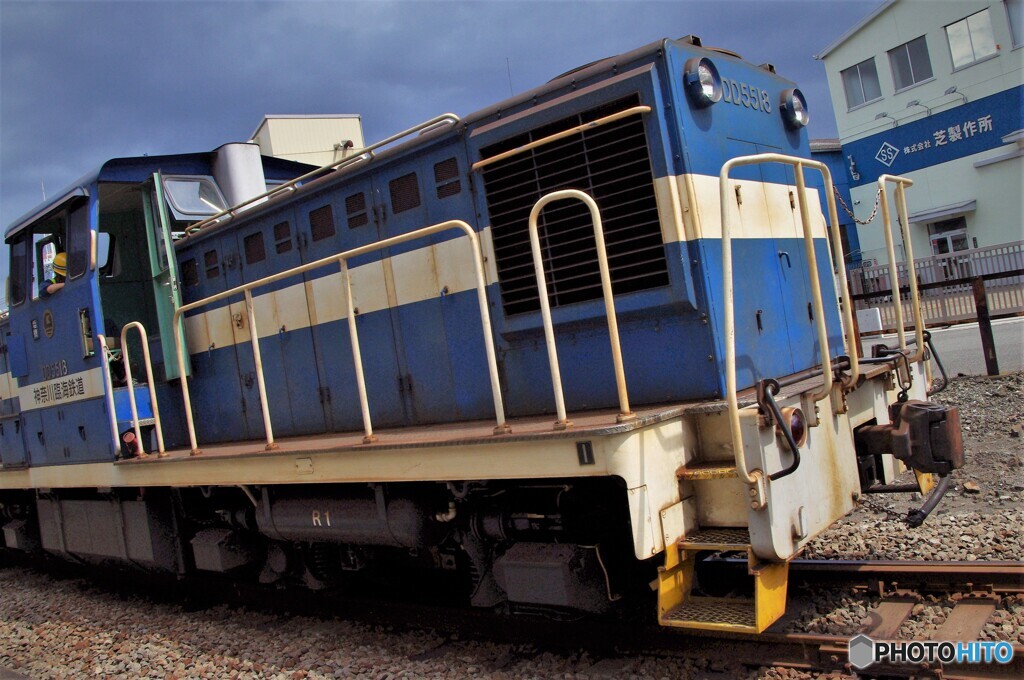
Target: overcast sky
{"points": [[82, 82]]}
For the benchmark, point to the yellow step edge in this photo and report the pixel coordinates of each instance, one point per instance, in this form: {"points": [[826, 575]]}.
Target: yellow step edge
{"points": [[716, 539], [679, 608]]}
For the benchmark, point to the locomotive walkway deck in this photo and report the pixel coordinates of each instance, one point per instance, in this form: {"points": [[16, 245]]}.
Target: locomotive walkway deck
{"points": [[585, 424]]}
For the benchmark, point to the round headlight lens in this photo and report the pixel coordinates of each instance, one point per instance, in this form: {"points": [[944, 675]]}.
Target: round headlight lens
{"points": [[703, 84], [797, 424], [794, 109]]}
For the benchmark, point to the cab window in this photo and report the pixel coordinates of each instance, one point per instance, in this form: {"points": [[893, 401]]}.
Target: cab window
{"points": [[48, 239], [192, 198], [19, 269], [79, 243]]}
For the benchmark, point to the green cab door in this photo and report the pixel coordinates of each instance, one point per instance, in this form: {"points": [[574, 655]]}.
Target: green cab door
{"points": [[164, 270]]}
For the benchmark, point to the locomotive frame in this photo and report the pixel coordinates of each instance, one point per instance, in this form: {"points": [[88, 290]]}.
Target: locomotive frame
{"points": [[398, 408]]}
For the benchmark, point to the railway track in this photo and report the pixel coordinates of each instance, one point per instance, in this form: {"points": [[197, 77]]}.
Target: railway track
{"points": [[977, 589]]}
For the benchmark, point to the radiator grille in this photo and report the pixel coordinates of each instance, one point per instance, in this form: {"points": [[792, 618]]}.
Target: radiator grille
{"points": [[612, 164]]}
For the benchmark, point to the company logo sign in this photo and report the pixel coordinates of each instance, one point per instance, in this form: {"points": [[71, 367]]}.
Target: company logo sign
{"points": [[951, 134], [887, 154], [863, 651]]}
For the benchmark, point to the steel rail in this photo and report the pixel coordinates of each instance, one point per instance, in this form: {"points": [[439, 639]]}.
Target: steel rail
{"points": [[1001, 576]]}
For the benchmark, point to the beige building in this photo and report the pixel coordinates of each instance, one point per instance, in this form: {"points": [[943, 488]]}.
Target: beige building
{"points": [[314, 139]]}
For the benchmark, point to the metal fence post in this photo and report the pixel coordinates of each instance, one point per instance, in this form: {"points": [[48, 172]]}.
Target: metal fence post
{"points": [[988, 342]]}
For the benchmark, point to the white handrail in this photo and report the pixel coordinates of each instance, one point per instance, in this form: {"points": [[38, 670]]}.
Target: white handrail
{"points": [[365, 155], [611, 118], [151, 385], [729, 304], [261, 384], [357, 356], [108, 387], [908, 247], [625, 414], [341, 258]]}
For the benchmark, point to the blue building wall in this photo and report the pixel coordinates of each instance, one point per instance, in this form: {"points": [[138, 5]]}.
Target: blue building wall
{"points": [[834, 159]]}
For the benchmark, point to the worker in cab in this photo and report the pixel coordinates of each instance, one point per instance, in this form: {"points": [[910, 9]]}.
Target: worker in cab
{"points": [[60, 272]]}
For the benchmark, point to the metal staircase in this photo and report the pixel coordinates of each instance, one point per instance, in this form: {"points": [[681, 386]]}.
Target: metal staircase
{"points": [[678, 607]]}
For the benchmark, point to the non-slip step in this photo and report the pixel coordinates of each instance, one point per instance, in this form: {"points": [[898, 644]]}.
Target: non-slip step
{"points": [[717, 539], [713, 613]]}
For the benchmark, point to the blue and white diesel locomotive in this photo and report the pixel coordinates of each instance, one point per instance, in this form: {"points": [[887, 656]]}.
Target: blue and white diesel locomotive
{"points": [[552, 350]]}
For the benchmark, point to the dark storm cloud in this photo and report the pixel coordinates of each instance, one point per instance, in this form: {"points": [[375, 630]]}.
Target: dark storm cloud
{"points": [[86, 81]]}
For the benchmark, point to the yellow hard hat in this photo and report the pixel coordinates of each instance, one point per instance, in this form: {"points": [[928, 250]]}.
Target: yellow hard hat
{"points": [[60, 264]]}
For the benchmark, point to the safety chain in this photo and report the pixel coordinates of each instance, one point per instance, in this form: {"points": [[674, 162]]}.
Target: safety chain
{"points": [[878, 507], [874, 211]]}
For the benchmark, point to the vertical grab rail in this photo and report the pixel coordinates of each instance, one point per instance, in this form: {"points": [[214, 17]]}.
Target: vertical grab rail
{"points": [[609, 305], [341, 259], [261, 384], [908, 256], [108, 388], [151, 384], [357, 356], [757, 476]]}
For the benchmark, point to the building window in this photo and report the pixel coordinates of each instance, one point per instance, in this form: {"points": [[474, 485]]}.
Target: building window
{"points": [[971, 40], [910, 64], [1015, 13], [861, 83]]}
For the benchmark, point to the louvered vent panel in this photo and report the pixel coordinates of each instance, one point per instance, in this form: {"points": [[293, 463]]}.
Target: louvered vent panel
{"points": [[612, 164], [405, 193], [355, 209], [321, 223]]}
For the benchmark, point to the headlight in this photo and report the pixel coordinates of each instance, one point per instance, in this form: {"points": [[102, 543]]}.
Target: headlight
{"points": [[794, 109], [703, 84], [794, 418]]}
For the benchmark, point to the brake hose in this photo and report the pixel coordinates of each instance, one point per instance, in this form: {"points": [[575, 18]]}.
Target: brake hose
{"points": [[938, 362], [770, 386]]}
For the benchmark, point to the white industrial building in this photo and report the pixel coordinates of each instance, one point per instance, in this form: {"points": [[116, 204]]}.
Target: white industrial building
{"points": [[933, 91]]}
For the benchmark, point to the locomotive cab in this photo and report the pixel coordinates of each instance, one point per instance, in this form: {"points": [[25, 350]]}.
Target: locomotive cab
{"points": [[68, 400]]}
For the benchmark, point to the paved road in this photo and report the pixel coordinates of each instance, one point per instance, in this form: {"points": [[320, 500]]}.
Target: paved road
{"points": [[960, 346]]}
